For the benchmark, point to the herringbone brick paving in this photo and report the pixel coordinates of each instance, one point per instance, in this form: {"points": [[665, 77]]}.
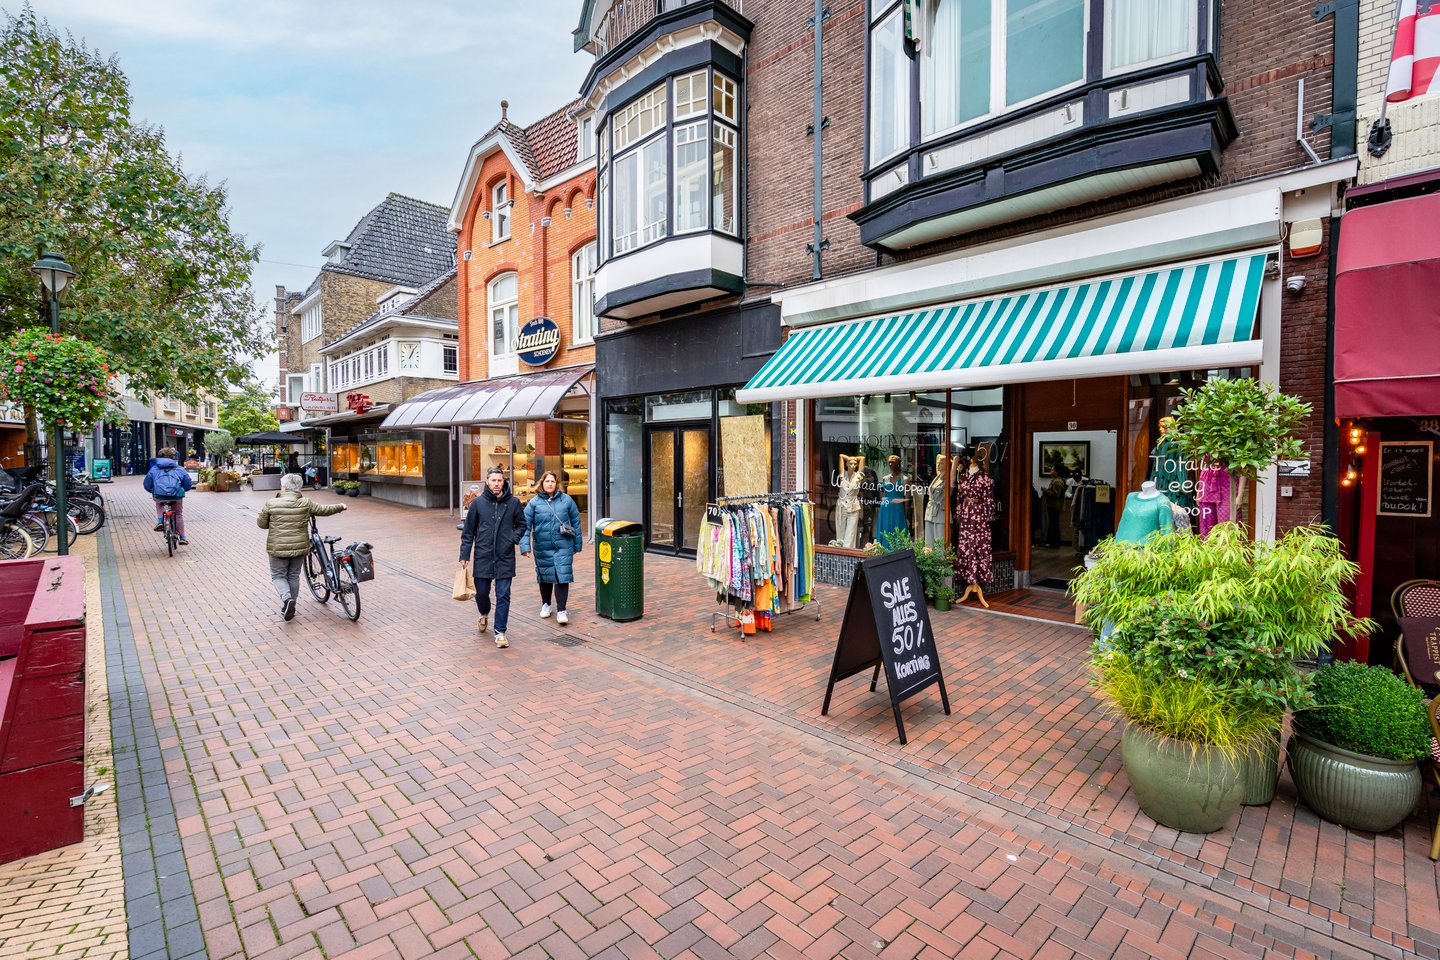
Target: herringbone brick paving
{"points": [[394, 788]]}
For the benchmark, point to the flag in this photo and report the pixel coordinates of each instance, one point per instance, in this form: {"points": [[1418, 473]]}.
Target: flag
{"points": [[1417, 52]]}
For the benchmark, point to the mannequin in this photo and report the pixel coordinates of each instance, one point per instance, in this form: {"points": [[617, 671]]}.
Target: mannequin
{"points": [[892, 504], [935, 502], [1147, 512], [1212, 492], [974, 514], [847, 507]]}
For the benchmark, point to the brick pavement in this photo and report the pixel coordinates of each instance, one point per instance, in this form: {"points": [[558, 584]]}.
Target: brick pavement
{"points": [[393, 788]]}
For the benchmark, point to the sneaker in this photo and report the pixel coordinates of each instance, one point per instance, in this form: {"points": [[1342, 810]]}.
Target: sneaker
{"points": [[288, 608], [562, 618], [544, 610], [483, 625], [500, 641], [159, 527], [183, 542]]}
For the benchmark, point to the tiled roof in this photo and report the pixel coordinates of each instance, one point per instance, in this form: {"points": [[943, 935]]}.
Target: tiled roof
{"points": [[547, 146], [408, 309], [401, 241]]}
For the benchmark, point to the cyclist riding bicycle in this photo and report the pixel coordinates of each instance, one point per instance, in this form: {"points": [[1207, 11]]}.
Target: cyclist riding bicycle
{"points": [[167, 482]]}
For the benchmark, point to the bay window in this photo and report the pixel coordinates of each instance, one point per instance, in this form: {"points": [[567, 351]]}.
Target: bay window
{"points": [[504, 297], [669, 162], [889, 84], [1141, 32]]}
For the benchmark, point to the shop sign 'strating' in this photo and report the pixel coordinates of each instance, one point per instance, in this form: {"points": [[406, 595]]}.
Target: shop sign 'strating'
{"points": [[538, 341]]}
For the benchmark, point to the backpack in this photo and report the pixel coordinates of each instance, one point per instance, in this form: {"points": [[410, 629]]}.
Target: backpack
{"points": [[168, 486]]}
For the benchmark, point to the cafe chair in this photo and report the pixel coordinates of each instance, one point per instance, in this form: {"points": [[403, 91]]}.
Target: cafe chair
{"points": [[1411, 600], [1431, 766]]}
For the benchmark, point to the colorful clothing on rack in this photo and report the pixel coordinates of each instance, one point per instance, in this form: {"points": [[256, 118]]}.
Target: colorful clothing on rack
{"points": [[759, 556], [974, 514]]}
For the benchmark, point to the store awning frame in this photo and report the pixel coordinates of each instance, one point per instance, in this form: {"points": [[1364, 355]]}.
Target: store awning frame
{"points": [[1188, 317], [528, 396]]}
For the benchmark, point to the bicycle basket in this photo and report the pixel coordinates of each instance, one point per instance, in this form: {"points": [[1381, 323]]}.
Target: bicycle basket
{"points": [[362, 561]]}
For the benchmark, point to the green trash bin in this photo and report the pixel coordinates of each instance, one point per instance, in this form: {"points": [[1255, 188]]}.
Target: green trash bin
{"points": [[619, 569]]}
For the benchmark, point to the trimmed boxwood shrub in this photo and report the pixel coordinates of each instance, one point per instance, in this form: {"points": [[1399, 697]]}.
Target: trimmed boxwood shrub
{"points": [[1369, 710]]}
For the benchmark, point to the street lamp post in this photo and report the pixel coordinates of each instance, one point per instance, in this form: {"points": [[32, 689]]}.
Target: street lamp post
{"points": [[55, 274]]}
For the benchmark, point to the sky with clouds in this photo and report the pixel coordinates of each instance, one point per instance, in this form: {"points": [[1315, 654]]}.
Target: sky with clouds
{"points": [[311, 111]]}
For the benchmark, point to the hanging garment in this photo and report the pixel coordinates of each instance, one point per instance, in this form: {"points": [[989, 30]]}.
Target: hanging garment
{"points": [[935, 511], [892, 508], [974, 515], [1212, 493]]}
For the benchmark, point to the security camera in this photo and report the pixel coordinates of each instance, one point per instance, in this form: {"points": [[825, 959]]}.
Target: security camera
{"points": [[1295, 284]]}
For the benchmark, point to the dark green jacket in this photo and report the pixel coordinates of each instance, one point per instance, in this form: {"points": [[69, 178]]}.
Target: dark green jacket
{"points": [[287, 517]]}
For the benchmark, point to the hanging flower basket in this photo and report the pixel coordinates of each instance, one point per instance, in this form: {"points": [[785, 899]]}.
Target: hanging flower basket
{"points": [[66, 380]]}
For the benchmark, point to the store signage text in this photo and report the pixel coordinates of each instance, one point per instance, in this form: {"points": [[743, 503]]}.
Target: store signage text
{"points": [[318, 402], [358, 402], [538, 341]]}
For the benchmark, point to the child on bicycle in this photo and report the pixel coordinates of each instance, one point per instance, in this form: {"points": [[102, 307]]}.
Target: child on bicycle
{"points": [[167, 482]]}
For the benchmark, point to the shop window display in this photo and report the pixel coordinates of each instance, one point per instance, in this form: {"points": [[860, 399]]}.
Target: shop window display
{"points": [[624, 451], [345, 458], [391, 455]]}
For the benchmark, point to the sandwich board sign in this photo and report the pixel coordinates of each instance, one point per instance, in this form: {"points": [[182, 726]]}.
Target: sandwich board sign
{"points": [[887, 626]]}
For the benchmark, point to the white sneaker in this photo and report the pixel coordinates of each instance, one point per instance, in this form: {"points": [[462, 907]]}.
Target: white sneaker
{"points": [[544, 610], [562, 618], [500, 641]]}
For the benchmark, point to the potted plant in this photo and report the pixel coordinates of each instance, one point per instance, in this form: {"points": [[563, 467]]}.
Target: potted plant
{"points": [[1354, 755], [944, 596], [935, 561], [218, 443]]}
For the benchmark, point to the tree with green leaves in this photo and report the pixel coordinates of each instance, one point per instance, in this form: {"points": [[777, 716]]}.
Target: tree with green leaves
{"points": [[251, 410], [1243, 425], [164, 282]]}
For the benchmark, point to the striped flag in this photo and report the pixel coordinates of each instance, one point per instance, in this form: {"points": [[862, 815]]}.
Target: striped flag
{"points": [[1417, 52]]}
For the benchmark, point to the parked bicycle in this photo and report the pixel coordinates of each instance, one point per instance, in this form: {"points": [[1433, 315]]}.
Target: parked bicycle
{"points": [[16, 542], [329, 572]]}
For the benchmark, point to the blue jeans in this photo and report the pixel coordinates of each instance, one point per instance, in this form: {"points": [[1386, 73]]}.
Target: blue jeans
{"points": [[502, 600]]}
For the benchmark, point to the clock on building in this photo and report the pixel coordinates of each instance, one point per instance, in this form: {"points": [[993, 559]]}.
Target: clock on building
{"points": [[410, 356]]}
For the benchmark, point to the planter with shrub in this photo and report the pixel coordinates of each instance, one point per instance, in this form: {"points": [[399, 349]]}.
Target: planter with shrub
{"points": [[935, 561], [1354, 754]]}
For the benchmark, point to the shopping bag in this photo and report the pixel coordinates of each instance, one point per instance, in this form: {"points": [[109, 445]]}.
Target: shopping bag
{"points": [[464, 585]]}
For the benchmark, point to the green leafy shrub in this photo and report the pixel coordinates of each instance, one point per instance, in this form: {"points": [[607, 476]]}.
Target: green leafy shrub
{"points": [[1190, 709], [936, 561], [1369, 710]]}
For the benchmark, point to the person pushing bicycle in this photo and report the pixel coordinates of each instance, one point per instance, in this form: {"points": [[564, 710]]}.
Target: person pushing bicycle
{"points": [[287, 518], [167, 482]]}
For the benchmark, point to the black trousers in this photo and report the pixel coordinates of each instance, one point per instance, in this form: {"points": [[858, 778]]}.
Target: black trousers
{"points": [[562, 593]]}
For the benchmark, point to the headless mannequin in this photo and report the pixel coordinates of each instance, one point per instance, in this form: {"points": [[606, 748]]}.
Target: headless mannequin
{"points": [[1147, 512], [935, 502], [974, 513], [893, 496], [848, 505]]}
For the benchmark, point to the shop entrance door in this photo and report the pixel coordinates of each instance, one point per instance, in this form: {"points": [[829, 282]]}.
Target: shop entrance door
{"points": [[677, 481]]}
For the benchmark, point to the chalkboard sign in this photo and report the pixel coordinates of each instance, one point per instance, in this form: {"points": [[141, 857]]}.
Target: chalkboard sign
{"points": [[887, 625], [1405, 476]]}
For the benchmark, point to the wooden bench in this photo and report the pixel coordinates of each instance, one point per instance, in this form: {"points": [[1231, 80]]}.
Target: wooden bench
{"points": [[42, 704]]}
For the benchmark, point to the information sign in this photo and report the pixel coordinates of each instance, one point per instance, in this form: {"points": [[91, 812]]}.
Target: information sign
{"points": [[1405, 478]]}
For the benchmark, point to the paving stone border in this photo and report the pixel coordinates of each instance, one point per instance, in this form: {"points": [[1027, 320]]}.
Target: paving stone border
{"points": [[159, 900]]}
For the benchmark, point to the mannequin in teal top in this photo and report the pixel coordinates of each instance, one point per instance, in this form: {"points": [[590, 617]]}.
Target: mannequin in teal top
{"points": [[1147, 512]]}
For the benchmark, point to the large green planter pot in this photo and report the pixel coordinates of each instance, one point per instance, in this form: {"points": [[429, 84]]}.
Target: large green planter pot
{"points": [[1185, 786], [1261, 766], [1352, 789]]}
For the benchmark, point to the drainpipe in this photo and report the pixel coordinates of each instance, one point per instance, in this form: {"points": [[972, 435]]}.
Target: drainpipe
{"points": [[818, 244]]}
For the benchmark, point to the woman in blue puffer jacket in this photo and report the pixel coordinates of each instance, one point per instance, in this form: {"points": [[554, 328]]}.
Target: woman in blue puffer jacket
{"points": [[552, 532]]}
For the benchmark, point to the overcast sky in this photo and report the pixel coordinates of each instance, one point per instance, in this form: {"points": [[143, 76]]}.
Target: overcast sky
{"points": [[312, 110]]}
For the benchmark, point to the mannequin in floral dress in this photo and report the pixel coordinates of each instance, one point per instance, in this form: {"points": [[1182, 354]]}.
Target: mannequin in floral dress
{"points": [[974, 513]]}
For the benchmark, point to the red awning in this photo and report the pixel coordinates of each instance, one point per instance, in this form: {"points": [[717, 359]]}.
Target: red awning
{"points": [[1387, 310]]}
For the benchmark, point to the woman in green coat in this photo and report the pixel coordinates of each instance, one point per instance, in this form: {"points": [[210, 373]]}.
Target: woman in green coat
{"points": [[287, 517]]}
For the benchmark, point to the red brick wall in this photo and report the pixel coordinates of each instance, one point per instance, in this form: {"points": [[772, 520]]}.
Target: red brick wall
{"points": [[540, 255], [1302, 374]]}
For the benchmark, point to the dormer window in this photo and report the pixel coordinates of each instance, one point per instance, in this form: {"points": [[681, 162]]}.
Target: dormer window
{"points": [[336, 251], [500, 211]]}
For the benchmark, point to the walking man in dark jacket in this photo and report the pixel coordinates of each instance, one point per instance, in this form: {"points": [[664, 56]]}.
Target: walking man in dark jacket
{"points": [[494, 524]]}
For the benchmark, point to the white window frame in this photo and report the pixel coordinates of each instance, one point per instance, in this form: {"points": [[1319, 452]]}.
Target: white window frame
{"points": [[506, 310], [500, 206], [582, 294], [1192, 41], [450, 358], [696, 96], [311, 324], [586, 129], [294, 387], [879, 19], [1000, 42]]}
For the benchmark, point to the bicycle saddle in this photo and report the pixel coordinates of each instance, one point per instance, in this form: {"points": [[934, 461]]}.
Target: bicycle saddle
{"points": [[331, 539]]}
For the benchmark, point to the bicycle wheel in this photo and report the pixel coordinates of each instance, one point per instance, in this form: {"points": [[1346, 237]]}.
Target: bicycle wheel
{"points": [[349, 590], [38, 531], [315, 577], [15, 543], [88, 516], [172, 539], [67, 530]]}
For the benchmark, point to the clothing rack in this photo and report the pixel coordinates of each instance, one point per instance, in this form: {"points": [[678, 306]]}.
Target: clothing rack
{"points": [[733, 617]]}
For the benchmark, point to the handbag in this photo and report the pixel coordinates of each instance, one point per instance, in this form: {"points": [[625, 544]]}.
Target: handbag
{"points": [[565, 529], [464, 585]]}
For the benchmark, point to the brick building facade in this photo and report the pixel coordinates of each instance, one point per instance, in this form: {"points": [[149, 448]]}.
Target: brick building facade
{"points": [[1141, 167]]}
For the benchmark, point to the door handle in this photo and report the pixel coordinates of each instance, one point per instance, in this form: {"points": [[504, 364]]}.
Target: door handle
{"points": [[680, 500]]}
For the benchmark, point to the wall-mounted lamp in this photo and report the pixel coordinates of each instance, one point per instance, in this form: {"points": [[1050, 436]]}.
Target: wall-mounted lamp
{"points": [[913, 398], [887, 398]]}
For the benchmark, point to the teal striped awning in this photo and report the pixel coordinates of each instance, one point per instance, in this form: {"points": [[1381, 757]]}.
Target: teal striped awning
{"points": [[1199, 316]]}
